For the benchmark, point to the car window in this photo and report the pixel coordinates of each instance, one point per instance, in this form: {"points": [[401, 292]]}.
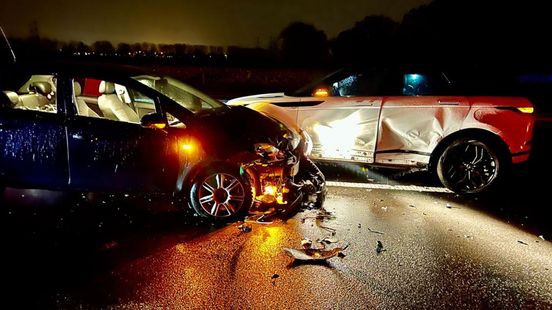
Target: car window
{"points": [[109, 100], [183, 94], [30, 92], [357, 84], [420, 84]]}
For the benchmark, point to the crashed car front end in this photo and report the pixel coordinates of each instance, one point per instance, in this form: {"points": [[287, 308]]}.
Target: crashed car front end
{"points": [[283, 177]]}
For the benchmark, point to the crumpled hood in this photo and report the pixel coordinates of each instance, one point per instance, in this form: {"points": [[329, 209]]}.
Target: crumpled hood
{"points": [[235, 129]]}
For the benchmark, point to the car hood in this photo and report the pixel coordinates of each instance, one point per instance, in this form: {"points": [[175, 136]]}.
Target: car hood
{"points": [[236, 129], [255, 98]]}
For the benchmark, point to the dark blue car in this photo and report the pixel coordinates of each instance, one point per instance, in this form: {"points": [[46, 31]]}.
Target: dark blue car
{"points": [[90, 128]]}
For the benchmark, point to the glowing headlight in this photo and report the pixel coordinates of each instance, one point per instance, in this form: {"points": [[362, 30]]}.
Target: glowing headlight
{"points": [[266, 150]]}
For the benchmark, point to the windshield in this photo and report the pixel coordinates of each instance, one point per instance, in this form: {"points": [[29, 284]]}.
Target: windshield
{"points": [[185, 95]]}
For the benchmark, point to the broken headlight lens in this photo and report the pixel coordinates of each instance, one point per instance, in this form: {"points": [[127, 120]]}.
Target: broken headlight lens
{"points": [[268, 151]]}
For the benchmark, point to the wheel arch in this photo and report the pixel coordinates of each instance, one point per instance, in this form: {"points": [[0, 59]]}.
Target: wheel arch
{"points": [[192, 172], [481, 134]]}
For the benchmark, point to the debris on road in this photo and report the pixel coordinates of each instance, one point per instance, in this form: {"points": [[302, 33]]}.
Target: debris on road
{"points": [[542, 238], [260, 218], [375, 231], [313, 254], [412, 206], [523, 242], [306, 243], [379, 247], [448, 206], [321, 214], [328, 241], [274, 277], [245, 228], [331, 230]]}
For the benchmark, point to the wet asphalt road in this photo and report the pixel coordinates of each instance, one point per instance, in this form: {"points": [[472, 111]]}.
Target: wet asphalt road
{"points": [[440, 250]]}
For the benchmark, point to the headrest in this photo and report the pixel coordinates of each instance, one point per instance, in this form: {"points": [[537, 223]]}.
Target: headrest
{"points": [[43, 88], [107, 88], [13, 97], [77, 89]]}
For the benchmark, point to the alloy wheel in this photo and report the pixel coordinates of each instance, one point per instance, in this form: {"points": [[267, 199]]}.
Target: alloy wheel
{"points": [[221, 195]]}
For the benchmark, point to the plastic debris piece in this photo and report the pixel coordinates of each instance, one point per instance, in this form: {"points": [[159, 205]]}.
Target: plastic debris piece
{"points": [[328, 240], [245, 228], [379, 247], [313, 254], [259, 219], [306, 243], [273, 278], [375, 231], [412, 206], [523, 242], [448, 206], [331, 230], [542, 237]]}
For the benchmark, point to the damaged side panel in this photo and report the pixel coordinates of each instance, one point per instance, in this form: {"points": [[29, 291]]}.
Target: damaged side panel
{"points": [[343, 129], [411, 127]]}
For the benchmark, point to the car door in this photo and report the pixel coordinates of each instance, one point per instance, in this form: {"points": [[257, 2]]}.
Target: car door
{"points": [[119, 155], [422, 111], [343, 122], [33, 145]]}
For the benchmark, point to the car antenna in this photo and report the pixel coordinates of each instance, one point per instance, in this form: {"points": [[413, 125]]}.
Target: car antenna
{"points": [[9, 45]]}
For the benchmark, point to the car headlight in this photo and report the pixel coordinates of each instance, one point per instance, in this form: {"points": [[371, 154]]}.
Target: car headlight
{"points": [[268, 151]]}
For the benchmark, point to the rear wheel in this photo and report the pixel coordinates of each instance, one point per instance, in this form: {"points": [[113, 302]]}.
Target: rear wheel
{"points": [[471, 166], [221, 194]]}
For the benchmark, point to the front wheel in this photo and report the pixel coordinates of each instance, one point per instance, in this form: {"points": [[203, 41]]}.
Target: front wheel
{"points": [[471, 166], [221, 194]]}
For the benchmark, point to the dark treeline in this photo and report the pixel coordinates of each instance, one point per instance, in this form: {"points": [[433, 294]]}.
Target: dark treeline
{"points": [[446, 32]]}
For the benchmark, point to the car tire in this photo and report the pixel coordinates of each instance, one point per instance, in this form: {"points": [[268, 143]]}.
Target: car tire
{"points": [[221, 194], [470, 166]]}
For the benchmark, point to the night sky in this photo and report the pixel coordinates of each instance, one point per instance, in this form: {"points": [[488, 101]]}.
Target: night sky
{"points": [[210, 22]]}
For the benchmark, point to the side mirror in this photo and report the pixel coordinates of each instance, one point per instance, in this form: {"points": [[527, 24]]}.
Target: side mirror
{"points": [[153, 120]]}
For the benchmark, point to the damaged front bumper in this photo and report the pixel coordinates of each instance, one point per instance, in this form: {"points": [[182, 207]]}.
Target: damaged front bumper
{"points": [[285, 185]]}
